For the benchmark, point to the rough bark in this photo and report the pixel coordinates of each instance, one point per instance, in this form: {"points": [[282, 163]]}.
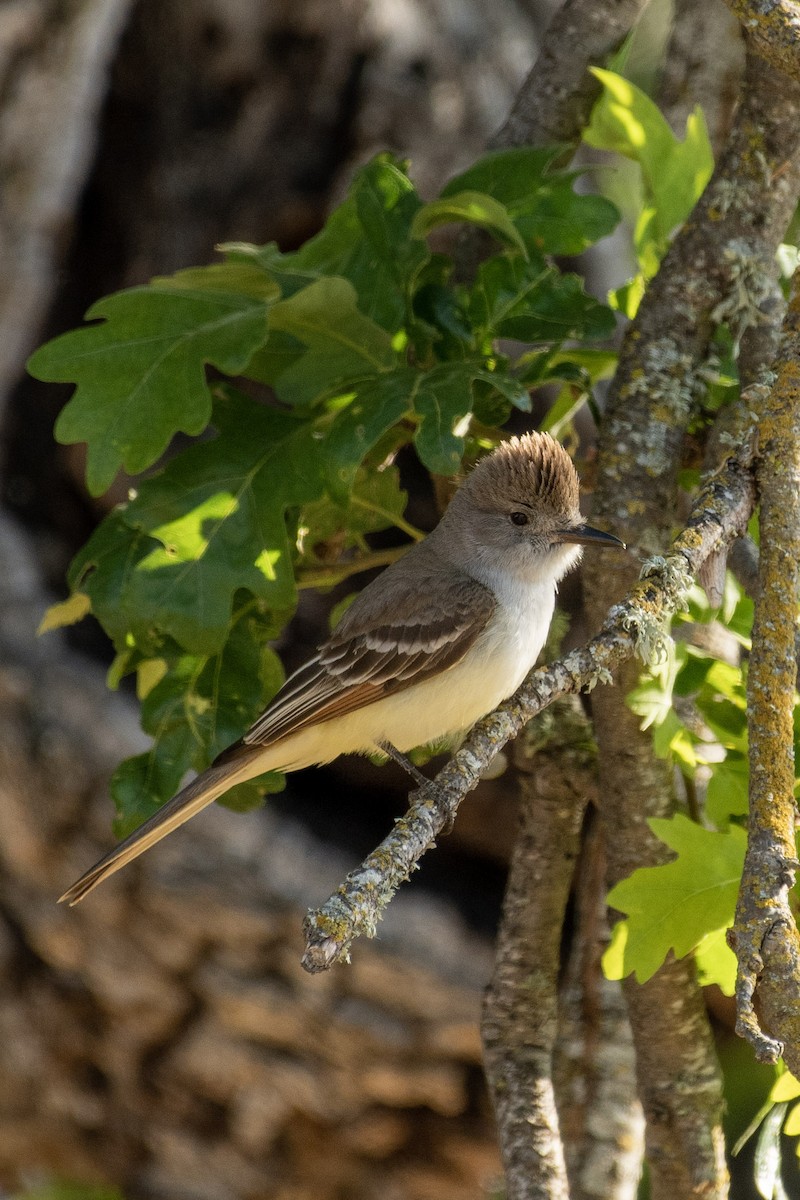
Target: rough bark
{"points": [[764, 935], [520, 1013], [704, 64], [719, 267], [594, 1066]]}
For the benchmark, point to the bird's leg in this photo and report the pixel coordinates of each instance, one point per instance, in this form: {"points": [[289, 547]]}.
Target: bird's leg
{"points": [[405, 762]]}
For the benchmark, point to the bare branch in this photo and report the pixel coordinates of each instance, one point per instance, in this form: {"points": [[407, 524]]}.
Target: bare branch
{"points": [[703, 67], [720, 513], [764, 935]]}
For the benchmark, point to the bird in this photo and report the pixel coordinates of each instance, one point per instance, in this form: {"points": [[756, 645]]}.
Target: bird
{"points": [[440, 638]]}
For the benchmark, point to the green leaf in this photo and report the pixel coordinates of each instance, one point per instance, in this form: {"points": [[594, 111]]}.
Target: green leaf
{"points": [[170, 561], [716, 962], [626, 299], [279, 352], [217, 515], [473, 208], [141, 784], [532, 302], [140, 372], [375, 502], [727, 792], [438, 324], [676, 905], [443, 398], [651, 699], [626, 120], [513, 177], [540, 201], [103, 570], [791, 1126], [67, 612], [230, 278], [785, 1087], [342, 344], [202, 705], [366, 240], [675, 173], [377, 405], [723, 704]]}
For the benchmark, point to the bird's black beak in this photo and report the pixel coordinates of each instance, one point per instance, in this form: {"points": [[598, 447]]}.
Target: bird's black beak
{"points": [[586, 535]]}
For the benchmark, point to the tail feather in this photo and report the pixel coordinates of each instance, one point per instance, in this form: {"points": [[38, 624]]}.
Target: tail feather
{"points": [[185, 804]]}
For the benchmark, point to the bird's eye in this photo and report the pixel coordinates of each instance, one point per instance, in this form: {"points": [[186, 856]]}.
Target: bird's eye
{"points": [[519, 518]]}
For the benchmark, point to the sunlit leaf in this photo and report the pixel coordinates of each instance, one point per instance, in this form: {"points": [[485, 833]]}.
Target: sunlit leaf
{"points": [[676, 905]]}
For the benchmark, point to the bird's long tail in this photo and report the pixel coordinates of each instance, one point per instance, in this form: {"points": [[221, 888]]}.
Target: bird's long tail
{"points": [[185, 804]]}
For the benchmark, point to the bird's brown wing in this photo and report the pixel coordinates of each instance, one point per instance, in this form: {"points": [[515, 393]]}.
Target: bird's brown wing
{"points": [[432, 623]]}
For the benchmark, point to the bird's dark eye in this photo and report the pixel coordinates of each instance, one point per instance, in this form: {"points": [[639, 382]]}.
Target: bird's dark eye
{"points": [[519, 518]]}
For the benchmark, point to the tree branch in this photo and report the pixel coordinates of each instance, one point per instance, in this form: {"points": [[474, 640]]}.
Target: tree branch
{"points": [[635, 626], [773, 30], [602, 1124], [764, 935], [718, 269], [554, 102], [520, 1011]]}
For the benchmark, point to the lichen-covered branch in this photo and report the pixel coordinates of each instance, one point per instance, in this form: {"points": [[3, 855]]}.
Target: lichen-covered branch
{"points": [[773, 28], [554, 102], [764, 935], [634, 626], [719, 269], [554, 760], [602, 1124]]}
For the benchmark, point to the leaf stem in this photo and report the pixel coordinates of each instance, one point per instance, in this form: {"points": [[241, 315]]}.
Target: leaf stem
{"points": [[328, 576], [400, 522]]}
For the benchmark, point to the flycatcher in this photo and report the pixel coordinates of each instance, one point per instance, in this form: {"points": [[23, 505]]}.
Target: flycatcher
{"points": [[440, 638]]}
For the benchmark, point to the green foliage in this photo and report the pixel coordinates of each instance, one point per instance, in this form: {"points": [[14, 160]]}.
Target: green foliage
{"points": [[671, 173], [332, 359], [696, 708], [678, 906], [140, 372]]}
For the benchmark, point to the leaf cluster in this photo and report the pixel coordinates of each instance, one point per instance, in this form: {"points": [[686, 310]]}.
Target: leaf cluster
{"points": [[697, 708], [261, 402], [670, 177]]}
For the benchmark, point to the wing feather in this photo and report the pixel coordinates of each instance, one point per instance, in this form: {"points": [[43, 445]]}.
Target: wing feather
{"points": [[389, 639]]}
